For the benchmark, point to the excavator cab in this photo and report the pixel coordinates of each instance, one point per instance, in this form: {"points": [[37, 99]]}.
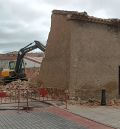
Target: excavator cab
{"points": [[9, 74], [12, 65]]}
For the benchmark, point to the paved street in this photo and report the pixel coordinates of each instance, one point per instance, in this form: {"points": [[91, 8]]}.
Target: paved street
{"points": [[12, 106], [45, 117], [35, 120]]}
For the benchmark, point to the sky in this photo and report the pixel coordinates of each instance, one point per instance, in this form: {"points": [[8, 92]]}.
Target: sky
{"points": [[23, 21]]}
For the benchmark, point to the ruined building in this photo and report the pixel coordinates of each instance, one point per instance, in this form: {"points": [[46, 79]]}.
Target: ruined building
{"points": [[82, 54]]}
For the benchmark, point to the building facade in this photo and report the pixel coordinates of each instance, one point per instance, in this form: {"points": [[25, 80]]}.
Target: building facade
{"points": [[83, 55]]}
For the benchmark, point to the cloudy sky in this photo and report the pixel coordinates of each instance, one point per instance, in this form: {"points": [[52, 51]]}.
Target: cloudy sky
{"points": [[23, 21]]}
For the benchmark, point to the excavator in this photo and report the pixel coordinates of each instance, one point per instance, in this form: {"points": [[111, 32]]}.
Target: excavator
{"points": [[17, 68]]}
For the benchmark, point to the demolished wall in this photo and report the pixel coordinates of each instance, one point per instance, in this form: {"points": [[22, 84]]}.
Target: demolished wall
{"points": [[55, 66], [83, 54]]}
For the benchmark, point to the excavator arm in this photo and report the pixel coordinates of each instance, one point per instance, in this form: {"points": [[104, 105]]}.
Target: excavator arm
{"points": [[19, 71]]}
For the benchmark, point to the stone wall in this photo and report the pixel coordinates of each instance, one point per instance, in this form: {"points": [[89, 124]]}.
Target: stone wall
{"points": [[82, 55]]}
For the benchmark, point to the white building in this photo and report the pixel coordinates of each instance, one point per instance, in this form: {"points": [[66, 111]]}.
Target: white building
{"points": [[32, 62]]}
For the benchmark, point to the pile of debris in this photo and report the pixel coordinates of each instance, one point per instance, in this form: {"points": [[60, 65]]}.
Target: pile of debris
{"points": [[92, 102], [17, 84], [89, 102], [114, 102]]}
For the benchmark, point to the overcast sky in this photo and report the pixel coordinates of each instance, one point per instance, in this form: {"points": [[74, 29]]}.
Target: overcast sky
{"points": [[23, 21]]}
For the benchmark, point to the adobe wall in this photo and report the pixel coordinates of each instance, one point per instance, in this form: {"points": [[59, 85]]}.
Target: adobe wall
{"points": [[55, 66], [82, 56], [95, 58]]}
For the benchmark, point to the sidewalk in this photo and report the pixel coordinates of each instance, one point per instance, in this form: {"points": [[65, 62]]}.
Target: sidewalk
{"points": [[103, 114]]}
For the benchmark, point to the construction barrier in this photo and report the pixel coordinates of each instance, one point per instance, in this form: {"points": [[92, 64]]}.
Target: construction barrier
{"points": [[20, 95]]}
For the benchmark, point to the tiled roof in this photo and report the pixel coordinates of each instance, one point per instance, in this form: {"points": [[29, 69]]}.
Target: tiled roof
{"points": [[34, 54], [34, 59], [7, 57], [83, 16], [13, 56]]}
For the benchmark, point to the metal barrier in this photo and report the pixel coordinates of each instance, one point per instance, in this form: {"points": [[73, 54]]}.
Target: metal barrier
{"points": [[20, 95]]}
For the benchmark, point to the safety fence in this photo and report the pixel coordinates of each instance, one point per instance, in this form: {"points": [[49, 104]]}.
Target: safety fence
{"points": [[27, 95]]}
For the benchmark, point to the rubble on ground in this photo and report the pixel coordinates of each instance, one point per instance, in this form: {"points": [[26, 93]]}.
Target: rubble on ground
{"points": [[93, 102], [114, 102], [89, 102], [17, 84]]}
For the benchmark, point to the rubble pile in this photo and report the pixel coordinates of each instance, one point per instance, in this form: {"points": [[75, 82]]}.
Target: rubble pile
{"points": [[114, 102], [92, 102], [89, 102], [17, 84]]}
